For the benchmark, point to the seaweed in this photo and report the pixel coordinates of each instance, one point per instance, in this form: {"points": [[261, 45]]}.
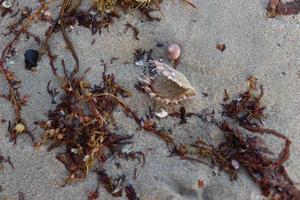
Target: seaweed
{"points": [[251, 152], [6, 160], [246, 108], [269, 174], [82, 116], [53, 92], [277, 7], [182, 115], [130, 192], [80, 121], [17, 101], [221, 47], [136, 32]]}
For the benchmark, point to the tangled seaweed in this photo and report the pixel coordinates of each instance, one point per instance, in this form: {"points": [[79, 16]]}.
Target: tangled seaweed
{"points": [[81, 119], [251, 151], [277, 7]]}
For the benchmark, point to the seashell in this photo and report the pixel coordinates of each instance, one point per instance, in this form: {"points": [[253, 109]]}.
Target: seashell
{"points": [[167, 85], [173, 52], [162, 113], [20, 128], [7, 4]]}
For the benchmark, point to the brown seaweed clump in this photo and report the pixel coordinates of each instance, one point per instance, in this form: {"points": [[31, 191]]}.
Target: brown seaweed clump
{"points": [[277, 7], [80, 124], [250, 151], [241, 148]]}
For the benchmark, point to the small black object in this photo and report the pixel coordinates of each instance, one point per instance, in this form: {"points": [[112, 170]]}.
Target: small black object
{"points": [[159, 44], [31, 58]]}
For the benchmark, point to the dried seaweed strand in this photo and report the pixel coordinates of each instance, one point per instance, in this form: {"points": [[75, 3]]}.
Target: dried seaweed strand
{"points": [[136, 32], [64, 8]]}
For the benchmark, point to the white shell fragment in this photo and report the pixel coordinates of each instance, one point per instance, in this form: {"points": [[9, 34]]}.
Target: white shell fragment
{"points": [[139, 63], [167, 85], [162, 113], [7, 4], [235, 164]]}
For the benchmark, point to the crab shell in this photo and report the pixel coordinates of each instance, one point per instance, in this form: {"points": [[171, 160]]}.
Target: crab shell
{"points": [[167, 85]]}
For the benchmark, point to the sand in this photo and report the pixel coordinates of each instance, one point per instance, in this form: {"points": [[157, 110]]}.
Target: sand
{"points": [[255, 45]]}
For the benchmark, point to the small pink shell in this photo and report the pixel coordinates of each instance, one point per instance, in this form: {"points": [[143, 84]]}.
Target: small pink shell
{"points": [[173, 52]]}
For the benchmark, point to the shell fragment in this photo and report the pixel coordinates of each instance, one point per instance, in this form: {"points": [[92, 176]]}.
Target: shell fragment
{"points": [[167, 85], [7, 4], [162, 113]]}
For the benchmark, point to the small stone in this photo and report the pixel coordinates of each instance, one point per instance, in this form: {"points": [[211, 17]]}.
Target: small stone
{"points": [[173, 52], [221, 47], [201, 183], [20, 128], [235, 164], [31, 58]]}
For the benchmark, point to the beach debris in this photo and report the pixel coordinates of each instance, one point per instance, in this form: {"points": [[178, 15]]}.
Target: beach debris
{"points": [[160, 44], [277, 7], [201, 183], [20, 128], [7, 4], [136, 32], [148, 124], [31, 58], [190, 2], [14, 95], [79, 123], [53, 92], [242, 150], [182, 115], [225, 96], [114, 186], [104, 12], [221, 47], [173, 52], [17, 129], [167, 85], [6, 160], [268, 173], [251, 152], [139, 63], [130, 192], [246, 108], [235, 164], [93, 195], [142, 57], [162, 113]]}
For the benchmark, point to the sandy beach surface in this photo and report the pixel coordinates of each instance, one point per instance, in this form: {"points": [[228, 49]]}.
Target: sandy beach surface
{"points": [[255, 45]]}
